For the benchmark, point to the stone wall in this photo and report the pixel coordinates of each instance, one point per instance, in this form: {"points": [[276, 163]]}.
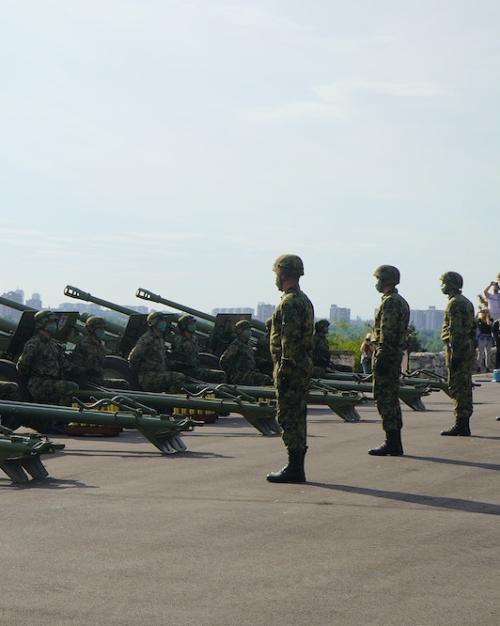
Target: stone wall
{"points": [[343, 358], [433, 361]]}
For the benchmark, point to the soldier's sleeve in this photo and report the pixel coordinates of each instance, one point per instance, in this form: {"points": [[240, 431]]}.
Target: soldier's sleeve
{"points": [[390, 329], [459, 325], [291, 332], [228, 357], [136, 355], [26, 359]]}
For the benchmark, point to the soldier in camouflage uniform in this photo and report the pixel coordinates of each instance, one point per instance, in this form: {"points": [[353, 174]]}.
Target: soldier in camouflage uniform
{"points": [[148, 358], [187, 353], [291, 349], [389, 337], [321, 349], [458, 334], [87, 359], [263, 358], [238, 361], [43, 366]]}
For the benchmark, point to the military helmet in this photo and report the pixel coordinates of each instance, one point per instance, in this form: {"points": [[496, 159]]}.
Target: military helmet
{"points": [[94, 321], [289, 263], [387, 274], [153, 318], [242, 325], [454, 279], [185, 320], [321, 325], [42, 317]]}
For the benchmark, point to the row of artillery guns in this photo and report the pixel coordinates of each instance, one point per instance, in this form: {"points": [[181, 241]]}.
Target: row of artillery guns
{"points": [[160, 417]]}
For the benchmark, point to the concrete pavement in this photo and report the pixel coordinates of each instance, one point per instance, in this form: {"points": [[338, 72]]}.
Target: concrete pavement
{"points": [[124, 536]]}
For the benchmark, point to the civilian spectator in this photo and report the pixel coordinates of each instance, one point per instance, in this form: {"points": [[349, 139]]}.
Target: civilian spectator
{"points": [[366, 350], [493, 299], [484, 340]]}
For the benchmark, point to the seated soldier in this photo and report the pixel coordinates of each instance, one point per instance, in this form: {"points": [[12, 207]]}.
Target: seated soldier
{"points": [[321, 350], [222, 336], [187, 353], [238, 361], [42, 364], [87, 359], [148, 358], [263, 358]]}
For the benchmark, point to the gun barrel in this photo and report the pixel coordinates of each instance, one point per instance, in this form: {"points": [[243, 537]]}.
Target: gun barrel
{"points": [[12, 304], [145, 294], [79, 294]]}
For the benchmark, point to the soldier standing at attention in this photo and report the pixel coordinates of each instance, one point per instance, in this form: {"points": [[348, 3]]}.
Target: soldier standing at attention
{"points": [[389, 336], [291, 348], [458, 335], [238, 360], [42, 363]]}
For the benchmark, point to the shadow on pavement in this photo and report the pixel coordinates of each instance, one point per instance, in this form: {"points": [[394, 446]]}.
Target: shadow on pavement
{"points": [[127, 454], [457, 504], [435, 459], [50, 483]]}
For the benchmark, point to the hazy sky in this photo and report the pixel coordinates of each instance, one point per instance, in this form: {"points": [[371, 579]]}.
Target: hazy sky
{"points": [[182, 145]]}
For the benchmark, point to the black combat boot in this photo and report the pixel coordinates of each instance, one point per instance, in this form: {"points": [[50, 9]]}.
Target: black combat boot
{"points": [[391, 447], [293, 472], [461, 428]]}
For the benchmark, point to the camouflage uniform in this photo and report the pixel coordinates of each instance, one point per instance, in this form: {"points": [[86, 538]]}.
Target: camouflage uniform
{"points": [[8, 391], [42, 365], [187, 357], [389, 336], [291, 350], [458, 334], [263, 358], [87, 360], [238, 361], [148, 359], [321, 349]]}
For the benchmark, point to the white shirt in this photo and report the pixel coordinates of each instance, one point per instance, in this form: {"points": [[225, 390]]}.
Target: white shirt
{"points": [[494, 305]]}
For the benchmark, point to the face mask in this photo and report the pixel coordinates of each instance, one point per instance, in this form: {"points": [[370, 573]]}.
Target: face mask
{"points": [[162, 326], [246, 334], [379, 285], [279, 282], [99, 333], [51, 327], [191, 328], [445, 288]]}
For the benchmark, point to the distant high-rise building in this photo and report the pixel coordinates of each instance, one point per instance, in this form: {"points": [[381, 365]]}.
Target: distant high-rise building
{"points": [[429, 319], [264, 311], [339, 314], [233, 309], [35, 302], [6, 311]]}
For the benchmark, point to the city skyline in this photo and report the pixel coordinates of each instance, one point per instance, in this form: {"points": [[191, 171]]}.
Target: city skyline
{"points": [[423, 319]]}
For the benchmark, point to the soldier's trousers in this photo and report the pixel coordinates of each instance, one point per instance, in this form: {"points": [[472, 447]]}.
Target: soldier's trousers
{"points": [[250, 378], [207, 375], [460, 387], [8, 391], [51, 391], [158, 382], [386, 394], [291, 413]]}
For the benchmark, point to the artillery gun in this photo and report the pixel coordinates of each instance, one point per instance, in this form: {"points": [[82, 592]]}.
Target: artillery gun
{"points": [[163, 431], [20, 455]]}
